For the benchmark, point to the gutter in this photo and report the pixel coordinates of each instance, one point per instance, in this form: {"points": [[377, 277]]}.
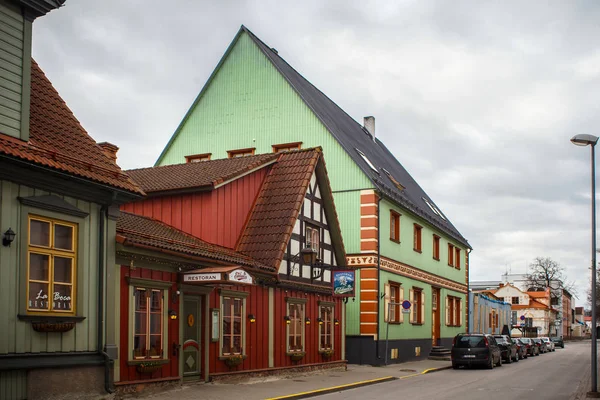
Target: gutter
{"points": [[101, 249]]}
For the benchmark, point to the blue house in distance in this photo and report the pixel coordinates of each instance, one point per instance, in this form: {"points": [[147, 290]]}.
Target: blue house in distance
{"points": [[487, 313]]}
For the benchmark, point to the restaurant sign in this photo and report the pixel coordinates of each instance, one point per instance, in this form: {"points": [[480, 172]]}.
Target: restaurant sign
{"points": [[343, 283], [210, 277], [240, 276]]}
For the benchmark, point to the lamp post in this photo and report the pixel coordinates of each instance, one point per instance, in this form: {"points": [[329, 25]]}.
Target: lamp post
{"points": [[584, 140]]}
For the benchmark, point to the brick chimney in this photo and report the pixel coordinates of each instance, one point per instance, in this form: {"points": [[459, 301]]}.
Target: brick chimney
{"points": [[110, 150], [369, 125]]}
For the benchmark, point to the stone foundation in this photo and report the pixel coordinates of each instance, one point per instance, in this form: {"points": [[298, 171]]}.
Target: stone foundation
{"points": [[82, 382]]}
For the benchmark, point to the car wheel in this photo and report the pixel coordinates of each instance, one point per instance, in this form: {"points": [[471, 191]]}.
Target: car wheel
{"points": [[517, 357], [508, 359], [491, 363], [499, 361], [455, 366]]}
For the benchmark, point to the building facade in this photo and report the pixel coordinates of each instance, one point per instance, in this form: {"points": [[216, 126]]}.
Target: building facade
{"points": [[404, 247], [215, 256], [59, 194], [488, 314]]}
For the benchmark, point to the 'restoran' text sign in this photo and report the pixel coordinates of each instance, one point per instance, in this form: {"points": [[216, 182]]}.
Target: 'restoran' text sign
{"points": [[206, 277]]}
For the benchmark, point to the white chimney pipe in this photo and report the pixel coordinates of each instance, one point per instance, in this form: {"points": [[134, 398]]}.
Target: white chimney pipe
{"points": [[369, 124]]}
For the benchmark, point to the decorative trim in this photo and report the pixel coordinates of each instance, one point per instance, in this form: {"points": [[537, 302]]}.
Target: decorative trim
{"points": [[407, 271], [296, 300], [233, 293], [149, 283], [49, 319], [326, 303], [53, 203]]}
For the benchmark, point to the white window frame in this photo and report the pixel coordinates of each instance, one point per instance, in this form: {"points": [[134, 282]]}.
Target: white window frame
{"points": [[302, 303], [234, 295], [329, 323]]}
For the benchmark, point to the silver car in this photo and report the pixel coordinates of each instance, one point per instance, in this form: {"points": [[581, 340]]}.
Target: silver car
{"points": [[549, 343]]}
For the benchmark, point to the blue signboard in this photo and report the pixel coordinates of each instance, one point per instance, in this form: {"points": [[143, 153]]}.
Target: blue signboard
{"points": [[343, 283], [406, 304]]}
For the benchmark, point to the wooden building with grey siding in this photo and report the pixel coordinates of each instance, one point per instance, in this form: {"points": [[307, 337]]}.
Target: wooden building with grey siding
{"points": [[59, 198]]}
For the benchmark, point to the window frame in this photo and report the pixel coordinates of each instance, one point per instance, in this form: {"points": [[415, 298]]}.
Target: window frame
{"points": [[279, 148], [436, 247], [450, 255], [313, 230], [324, 305], [417, 238], [416, 311], [456, 257], [163, 321], [512, 300], [395, 226], [249, 151], [194, 158], [52, 253], [239, 296], [148, 284], [454, 317], [302, 303]]}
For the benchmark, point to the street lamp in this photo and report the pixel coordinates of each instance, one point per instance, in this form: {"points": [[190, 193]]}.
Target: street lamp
{"points": [[584, 140]]}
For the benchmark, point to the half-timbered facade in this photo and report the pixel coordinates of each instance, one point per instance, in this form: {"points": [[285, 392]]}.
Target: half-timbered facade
{"points": [[214, 275], [405, 249]]}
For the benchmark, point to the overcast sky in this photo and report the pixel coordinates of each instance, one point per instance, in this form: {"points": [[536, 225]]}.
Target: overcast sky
{"points": [[477, 101]]}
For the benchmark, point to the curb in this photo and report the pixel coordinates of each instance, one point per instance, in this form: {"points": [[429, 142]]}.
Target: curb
{"points": [[430, 370], [318, 392]]}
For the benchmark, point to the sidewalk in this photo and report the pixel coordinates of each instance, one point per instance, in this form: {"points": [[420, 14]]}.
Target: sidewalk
{"points": [[302, 385]]}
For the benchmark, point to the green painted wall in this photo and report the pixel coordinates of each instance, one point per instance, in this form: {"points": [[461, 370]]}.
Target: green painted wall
{"points": [[404, 251], [353, 310], [347, 205], [18, 336], [15, 70], [249, 104]]}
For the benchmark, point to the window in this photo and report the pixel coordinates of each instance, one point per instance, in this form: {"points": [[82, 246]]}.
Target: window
{"points": [[436, 247], [365, 159], [454, 311], [232, 325], [457, 258], [394, 226], [515, 300], [417, 238], [394, 294], [529, 322], [198, 158], [312, 238], [398, 184], [450, 254], [241, 152], [417, 312], [326, 327], [278, 148], [295, 329], [513, 318], [51, 256], [148, 323]]}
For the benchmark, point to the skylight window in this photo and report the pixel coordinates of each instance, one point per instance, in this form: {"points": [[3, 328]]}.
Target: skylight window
{"points": [[369, 163], [434, 209], [398, 184]]}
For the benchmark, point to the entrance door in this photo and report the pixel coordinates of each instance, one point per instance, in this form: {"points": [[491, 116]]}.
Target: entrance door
{"points": [[435, 316], [191, 337]]}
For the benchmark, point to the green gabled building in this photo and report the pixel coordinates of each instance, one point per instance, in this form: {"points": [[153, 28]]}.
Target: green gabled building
{"points": [[402, 246]]}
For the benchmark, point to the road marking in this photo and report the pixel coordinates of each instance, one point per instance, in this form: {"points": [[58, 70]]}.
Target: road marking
{"points": [[312, 393]]}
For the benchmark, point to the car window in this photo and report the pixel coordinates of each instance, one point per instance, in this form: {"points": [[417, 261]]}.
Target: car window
{"points": [[470, 341], [492, 341]]}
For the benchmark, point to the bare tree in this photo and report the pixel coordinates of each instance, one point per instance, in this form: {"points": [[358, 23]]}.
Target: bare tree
{"points": [[589, 295], [547, 273]]}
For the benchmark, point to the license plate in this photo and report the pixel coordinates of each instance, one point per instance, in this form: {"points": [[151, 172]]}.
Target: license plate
{"points": [[469, 356]]}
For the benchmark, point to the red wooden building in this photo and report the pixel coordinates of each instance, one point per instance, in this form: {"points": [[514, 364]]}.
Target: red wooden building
{"points": [[212, 275]]}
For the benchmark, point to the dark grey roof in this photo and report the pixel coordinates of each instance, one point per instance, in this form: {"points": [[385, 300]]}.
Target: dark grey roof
{"points": [[351, 136]]}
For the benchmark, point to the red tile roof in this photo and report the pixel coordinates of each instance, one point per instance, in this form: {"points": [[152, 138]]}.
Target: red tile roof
{"points": [[538, 295], [138, 231], [277, 206], [532, 304], [199, 175], [57, 139]]}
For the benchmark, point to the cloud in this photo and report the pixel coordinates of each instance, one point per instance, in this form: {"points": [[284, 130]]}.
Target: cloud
{"points": [[477, 100]]}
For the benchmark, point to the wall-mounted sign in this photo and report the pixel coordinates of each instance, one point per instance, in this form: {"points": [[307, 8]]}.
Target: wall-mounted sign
{"points": [[209, 277], [240, 276], [343, 283]]}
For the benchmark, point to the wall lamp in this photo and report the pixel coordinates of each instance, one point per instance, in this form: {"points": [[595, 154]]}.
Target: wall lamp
{"points": [[251, 318], [320, 320], [8, 238], [336, 321], [172, 314], [307, 321], [287, 320]]}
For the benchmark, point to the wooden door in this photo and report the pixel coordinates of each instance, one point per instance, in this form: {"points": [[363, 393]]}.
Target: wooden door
{"points": [[435, 316], [192, 337]]}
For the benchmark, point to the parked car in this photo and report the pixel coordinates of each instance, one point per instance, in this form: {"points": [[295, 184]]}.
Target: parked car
{"points": [[558, 342], [475, 349], [531, 348], [521, 349], [540, 344], [549, 343], [507, 348]]}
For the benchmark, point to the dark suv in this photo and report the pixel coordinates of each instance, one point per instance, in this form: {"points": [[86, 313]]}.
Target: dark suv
{"points": [[475, 349], [507, 348]]}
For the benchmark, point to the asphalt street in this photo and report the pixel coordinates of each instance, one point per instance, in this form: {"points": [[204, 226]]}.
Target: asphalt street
{"points": [[550, 376]]}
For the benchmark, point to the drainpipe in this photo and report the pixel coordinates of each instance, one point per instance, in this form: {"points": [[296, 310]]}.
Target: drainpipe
{"points": [[101, 298], [379, 195]]}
